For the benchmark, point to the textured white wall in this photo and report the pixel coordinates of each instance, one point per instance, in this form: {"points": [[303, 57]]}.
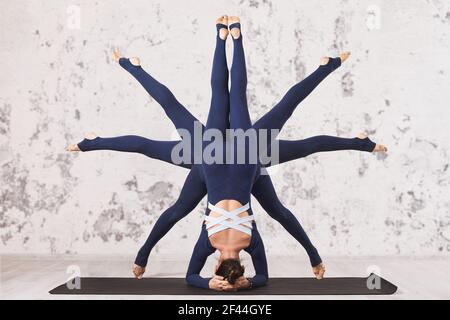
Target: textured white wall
{"points": [[58, 83]]}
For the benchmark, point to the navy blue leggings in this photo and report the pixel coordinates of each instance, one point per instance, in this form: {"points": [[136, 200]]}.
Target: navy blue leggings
{"points": [[230, 180], [288, 149], [282, 111], [194, 188]]}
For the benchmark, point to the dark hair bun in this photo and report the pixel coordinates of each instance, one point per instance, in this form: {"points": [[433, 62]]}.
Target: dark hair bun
{"points": [[230, 270], [233, 277]]}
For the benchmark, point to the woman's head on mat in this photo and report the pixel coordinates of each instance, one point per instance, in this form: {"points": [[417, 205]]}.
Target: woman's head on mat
{"points": [[230, 270]]}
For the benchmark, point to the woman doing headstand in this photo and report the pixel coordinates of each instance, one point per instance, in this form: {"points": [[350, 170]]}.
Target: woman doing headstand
{"points": [[229, 198]]}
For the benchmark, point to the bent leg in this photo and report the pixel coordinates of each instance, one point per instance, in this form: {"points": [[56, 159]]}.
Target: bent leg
{"points": [[160, 150], [191, 194], [264, 192]]}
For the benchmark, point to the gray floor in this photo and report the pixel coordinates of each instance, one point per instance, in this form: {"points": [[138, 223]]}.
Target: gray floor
{"points": [[31, 277]]}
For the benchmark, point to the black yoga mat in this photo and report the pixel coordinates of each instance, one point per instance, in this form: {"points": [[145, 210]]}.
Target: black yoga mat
{"points": [[275, 286]]}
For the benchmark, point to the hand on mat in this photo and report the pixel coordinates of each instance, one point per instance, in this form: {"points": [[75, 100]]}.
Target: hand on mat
{"points": [[217, 283], [319, 271], [138, 271]]}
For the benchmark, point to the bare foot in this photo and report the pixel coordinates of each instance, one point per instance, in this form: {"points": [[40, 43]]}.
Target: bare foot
{"points": [[74, 147], [223, 32], [135, 61], [138, 271], [116, 56], [235, 32], [362, 135], [344, 56], [378, 147], [319, 271], [324, 61]]}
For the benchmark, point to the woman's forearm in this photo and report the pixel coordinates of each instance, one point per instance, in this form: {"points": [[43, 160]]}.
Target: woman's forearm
{"points": [[197, 281], [257, 281]]}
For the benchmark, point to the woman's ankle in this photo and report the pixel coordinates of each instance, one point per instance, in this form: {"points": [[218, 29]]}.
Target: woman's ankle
{"points": [[235, 27], [222, 27]]}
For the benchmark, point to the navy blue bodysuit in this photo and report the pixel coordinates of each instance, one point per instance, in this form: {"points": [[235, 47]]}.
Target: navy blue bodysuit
{"points": [[230, 181]]}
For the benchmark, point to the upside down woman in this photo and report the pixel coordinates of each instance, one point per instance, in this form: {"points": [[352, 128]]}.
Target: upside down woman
{"points": [[229, 225]]}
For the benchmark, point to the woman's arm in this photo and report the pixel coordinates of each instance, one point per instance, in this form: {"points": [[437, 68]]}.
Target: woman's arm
{"points": [[258, 254], [202, 250]]}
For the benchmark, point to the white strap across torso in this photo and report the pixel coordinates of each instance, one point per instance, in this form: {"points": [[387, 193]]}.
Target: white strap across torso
{"points": [[229, 220]]}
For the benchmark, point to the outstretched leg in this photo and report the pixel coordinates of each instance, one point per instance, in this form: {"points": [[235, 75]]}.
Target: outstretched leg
{"points": [[191, 194], [280, 113], [296, 149], [239, 115], [178, 114], [160, 150], [218, 116], [264, 192]]}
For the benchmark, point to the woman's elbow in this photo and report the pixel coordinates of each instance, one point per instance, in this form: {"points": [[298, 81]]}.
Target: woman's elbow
{"points": [[259, 280], [188, 279]]}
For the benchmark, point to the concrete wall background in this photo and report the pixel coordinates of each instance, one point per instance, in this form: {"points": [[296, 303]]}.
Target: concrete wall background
{"points": [[58, 82]]}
